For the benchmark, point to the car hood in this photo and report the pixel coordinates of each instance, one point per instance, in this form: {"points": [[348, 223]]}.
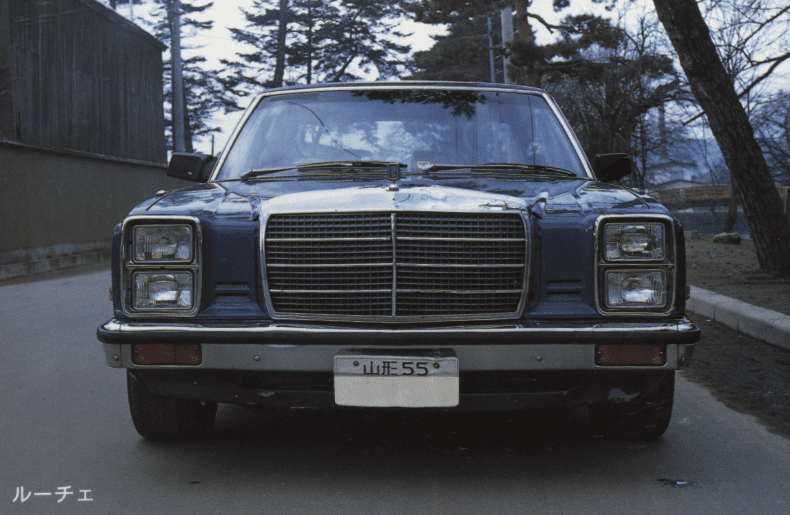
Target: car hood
{"points": [[560, 197]]}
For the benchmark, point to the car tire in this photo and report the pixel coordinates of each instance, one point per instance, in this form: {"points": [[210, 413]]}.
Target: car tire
{"points": [[644, 417], [160, 417]]}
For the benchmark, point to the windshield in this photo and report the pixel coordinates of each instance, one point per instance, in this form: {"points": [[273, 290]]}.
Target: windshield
{"points": [[418, 128]]}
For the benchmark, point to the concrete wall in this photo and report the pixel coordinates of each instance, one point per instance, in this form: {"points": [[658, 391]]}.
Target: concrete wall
{"points": [[58, 208]]}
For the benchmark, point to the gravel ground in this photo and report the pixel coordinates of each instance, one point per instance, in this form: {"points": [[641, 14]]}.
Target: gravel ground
{"points": [[733, 270]]}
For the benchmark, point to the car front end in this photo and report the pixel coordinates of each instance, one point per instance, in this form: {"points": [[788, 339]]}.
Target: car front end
{"points": [[505, 283]]}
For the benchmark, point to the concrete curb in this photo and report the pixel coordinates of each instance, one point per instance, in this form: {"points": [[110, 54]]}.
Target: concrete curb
{"points": [[764, 324]]}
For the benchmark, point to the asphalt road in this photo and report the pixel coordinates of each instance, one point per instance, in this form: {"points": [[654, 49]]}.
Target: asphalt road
{"points": [[65, 423]]}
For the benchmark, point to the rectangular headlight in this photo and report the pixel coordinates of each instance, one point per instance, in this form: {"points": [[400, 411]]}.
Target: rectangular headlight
{"points": [[162, 290], [640, 242], [162, 243], [635, 288]]}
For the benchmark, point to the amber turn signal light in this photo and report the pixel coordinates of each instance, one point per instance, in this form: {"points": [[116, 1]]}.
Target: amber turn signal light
{"points": [[643, 355], [166, 354]]}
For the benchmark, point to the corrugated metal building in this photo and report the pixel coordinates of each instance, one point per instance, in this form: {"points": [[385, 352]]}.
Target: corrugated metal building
{"points": [[76, 75]]}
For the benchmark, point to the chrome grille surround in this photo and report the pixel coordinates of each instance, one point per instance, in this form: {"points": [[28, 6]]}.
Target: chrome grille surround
{"points": [[395, 266]]}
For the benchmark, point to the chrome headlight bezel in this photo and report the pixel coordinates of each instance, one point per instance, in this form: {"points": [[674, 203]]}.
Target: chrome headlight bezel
{"points": [[662, 263], [188, 268]]}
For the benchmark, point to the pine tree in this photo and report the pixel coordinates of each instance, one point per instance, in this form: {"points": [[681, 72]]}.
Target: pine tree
{"points": [[315, 42], [462, 55], [203, 93], [360, 36]]}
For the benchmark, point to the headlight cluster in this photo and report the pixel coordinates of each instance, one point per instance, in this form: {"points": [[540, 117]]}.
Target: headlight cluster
{"points": [[161, 267], [634, 270]]}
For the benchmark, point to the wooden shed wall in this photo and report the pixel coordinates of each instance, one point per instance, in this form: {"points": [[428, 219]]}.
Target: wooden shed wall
{"points": [[83, 78]]}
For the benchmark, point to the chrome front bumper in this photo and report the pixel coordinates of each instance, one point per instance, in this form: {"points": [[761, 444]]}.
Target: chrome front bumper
{"points": [[311, 348]]}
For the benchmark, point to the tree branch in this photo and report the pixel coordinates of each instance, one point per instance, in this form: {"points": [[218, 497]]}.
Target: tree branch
{"points": [[779, 60]]}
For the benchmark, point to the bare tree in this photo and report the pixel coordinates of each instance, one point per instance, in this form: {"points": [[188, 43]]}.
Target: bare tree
{"points": [[772, 124], [715, 92], [619, 76], [752, 43], [751, 40]]}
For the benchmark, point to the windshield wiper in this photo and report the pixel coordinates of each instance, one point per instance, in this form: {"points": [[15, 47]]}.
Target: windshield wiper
{"points": [[502, 166], [321, 164]]}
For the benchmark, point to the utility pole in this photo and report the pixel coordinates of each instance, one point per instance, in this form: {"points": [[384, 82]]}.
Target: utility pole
{"points": [[131, 11], [507, 36], [491, 51], [177, 79]]}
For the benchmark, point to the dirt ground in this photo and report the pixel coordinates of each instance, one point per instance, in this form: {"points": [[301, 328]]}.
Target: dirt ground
{"points": [[733, 270], [745, 374]]}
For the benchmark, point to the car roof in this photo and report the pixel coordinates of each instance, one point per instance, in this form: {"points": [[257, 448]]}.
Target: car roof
{"points": [[403, 84]]}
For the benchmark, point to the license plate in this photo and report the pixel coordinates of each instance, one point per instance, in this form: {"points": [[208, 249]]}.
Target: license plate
{"points": [[414, 381]]}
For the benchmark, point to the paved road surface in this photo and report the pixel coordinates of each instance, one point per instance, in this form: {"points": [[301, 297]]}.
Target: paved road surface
{"points": [[65, 424]]}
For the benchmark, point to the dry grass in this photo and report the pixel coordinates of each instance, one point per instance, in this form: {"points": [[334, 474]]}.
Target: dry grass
{"points": [[733, 270]]}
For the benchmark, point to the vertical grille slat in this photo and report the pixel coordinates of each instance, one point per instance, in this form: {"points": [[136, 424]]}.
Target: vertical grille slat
{"points": [[395, 265]]}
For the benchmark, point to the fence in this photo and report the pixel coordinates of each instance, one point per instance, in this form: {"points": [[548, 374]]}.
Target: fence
{"points": [[703, 208], [706, 193]]}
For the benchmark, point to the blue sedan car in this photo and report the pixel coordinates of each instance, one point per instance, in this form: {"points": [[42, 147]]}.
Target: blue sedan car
{"points": [[403, 245]]}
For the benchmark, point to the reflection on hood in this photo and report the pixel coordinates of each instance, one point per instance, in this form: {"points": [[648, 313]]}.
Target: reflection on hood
{"points": [[552, 197]]}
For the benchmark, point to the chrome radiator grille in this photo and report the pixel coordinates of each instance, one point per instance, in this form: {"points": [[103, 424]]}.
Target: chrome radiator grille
{"points": [[401, 265]]}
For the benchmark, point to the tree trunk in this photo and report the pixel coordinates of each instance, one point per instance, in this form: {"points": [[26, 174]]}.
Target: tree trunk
{"points": [[187, 128], [309, 77], [525, 35], [642, 176], [279, 66], [715, 92], [177, 84], [732, 212], [506, 15]]}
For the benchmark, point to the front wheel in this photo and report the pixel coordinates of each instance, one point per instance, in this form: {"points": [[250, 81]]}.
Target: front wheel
{"points": [[159, 417], [643, 417]]}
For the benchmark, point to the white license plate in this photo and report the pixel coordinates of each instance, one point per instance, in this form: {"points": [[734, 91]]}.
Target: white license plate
{"points": [[375, 380]]}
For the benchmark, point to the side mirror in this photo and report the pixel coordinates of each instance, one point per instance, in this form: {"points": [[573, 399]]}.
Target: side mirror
{"points": [[610, 167], [191, 167]]}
